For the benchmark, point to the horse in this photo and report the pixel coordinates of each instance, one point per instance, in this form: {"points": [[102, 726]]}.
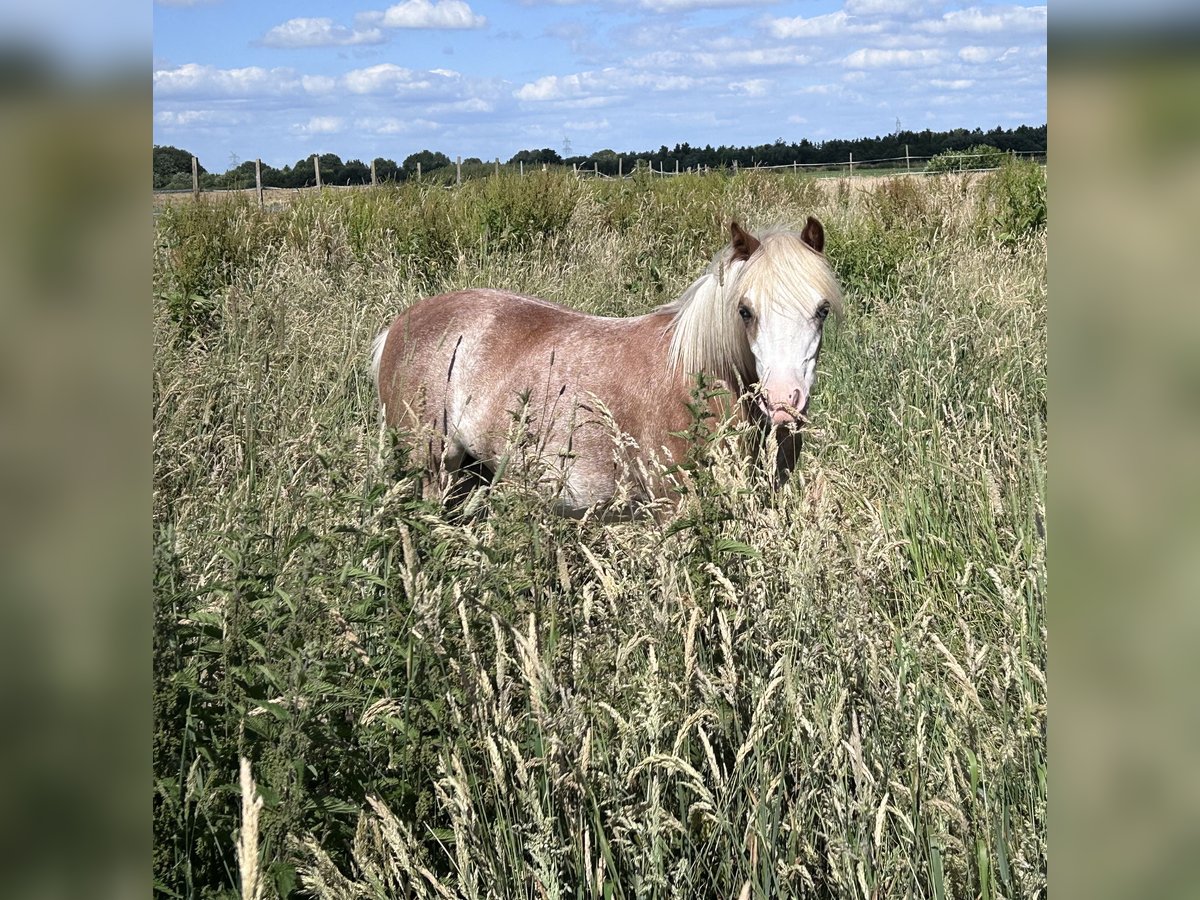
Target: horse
{"points": [[606, 402]]}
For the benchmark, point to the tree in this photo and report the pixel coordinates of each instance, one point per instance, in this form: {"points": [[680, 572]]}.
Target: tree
{"points": [[240, 176], [386, 169], [355, 171], [331, 168], [272, 177], [979, 156], [545, 155], [428, 160], [170, 162]]}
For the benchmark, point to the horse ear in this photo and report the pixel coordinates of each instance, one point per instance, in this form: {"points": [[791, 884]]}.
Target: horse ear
{"points": [[813, 235], [744, 243]]}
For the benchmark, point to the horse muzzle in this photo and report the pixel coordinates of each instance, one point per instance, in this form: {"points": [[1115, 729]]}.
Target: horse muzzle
{"points": [[788, 413]]}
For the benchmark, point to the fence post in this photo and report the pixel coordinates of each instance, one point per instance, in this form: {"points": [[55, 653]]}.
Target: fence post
{"points": [[735, 167], [497, 165], [374, 181], [458, 171], [418, 171], [195, 178], [620, 167], [258, 181], [317, 169], [907, 160], [852, 162], [521, 164]]}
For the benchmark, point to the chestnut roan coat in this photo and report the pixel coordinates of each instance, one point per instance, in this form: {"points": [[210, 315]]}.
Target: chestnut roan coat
{"points": [[472, 377]]}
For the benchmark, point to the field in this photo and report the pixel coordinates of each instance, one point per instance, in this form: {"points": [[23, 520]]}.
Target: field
{"points": [[836, 689]]}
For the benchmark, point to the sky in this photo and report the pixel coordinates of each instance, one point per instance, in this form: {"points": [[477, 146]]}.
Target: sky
{"points": [[279, 81]]}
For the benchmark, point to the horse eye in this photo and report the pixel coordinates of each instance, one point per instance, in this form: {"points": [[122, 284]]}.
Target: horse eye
{"points": [[822, 311], [744, 312]]}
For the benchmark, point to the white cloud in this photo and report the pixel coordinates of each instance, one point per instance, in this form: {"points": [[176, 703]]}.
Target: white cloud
{"points": [[192, 78], [425, 14], [891, 59], [815, 26], [665, 82], [552, 87], [470, 105], [685, 5], [767, 56], [187, 117], [713, 60], [958, 84], [899, 8], [979, 55], [833, 24], [319, 33], [584, 89], [753, 87], [319, 84], [380, 79], [321, 125], [387, 125], [390, 79], [993, 20], [663, 59], [588, 125]]}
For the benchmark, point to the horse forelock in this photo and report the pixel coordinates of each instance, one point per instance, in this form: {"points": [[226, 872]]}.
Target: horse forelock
{"points": [[784, 272], [789, 275]]}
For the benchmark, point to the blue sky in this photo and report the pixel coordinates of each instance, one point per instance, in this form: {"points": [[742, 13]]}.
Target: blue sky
{"points": [[486, 78]]}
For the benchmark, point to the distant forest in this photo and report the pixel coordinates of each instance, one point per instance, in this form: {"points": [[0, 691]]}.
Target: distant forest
{"points": [[173, 166]]}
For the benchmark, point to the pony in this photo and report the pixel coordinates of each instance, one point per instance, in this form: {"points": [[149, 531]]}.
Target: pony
{"points": [[605, 403]]}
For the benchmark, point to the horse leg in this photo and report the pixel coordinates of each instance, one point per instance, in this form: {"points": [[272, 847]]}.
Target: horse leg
{"points": [[787, 454], [466, 477]]}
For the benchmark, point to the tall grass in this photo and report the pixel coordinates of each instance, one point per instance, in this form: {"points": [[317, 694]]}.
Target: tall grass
{"points": [[836, 689]]}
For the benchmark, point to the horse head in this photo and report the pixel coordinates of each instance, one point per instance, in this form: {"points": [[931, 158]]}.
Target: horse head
{"points": [[784, 291]]}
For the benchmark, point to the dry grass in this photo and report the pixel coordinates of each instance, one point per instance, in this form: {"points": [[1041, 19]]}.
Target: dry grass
{"points": [[836, 689]]}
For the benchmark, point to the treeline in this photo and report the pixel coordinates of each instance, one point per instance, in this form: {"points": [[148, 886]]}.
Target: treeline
{"points": [[173, 166], [919, 144]]}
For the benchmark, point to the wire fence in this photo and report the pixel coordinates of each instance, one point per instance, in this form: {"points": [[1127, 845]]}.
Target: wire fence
{"points": [[913, 165], [641, 167]]}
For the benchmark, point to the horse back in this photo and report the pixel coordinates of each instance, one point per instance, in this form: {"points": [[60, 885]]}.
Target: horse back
{"points": [[464, 364]]}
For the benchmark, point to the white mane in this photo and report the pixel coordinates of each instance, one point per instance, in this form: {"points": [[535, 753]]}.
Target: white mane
{"points": [[709, 335]]}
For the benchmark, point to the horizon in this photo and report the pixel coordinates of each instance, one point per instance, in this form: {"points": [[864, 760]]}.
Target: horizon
{"points": [[626, 153]]}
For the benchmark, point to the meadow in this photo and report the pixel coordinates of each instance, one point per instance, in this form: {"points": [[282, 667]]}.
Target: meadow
{"points": [[835, 689]]}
